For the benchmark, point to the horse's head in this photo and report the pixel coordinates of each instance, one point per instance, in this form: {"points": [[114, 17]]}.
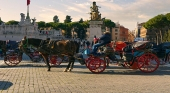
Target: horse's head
{"points": [[25, 43]]}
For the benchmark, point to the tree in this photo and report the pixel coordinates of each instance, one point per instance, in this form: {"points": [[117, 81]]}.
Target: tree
{"points": [[1, 21], [68, 19], [110, 24], [81, 20], [41, 25], [168, 20], [166, 37], [158, 23], [12, 22], [55, 19], [50, 24], [67, 24]]}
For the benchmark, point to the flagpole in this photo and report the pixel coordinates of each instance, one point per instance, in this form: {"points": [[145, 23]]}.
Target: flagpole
{"points": [[27, 12]]}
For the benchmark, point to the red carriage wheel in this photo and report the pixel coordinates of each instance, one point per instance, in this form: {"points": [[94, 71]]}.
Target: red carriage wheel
{"points": [[148, 62], [55, 60], [12, 60], [59, 60], [97, 65], [87, 60]]}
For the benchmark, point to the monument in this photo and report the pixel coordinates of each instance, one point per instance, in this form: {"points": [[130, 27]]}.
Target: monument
{"points": [[17, 32], [96, 22], [26, 28]]}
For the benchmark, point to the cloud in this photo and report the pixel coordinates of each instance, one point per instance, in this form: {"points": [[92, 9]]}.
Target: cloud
{"points": [[137, 11], [143, 16], [73, 9], [127, 14], [47, 14]]}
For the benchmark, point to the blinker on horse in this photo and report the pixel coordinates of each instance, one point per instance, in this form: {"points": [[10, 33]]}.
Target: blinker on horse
{"points": [[55, 47]]}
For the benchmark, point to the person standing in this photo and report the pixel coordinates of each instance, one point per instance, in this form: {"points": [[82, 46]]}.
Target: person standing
{"points": [[95, 40], [87, 44]]}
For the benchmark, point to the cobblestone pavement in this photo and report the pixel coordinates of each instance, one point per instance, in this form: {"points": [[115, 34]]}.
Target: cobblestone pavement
{"points": [[32, 77]]}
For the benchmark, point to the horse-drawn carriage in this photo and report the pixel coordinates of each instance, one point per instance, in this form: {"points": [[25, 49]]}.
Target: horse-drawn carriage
{"points": [[138, 55], [52, 51], [134, 56], [10, 52]]}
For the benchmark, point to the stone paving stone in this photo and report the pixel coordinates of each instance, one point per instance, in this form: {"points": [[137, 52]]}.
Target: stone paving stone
{"points": [[33, 77]]}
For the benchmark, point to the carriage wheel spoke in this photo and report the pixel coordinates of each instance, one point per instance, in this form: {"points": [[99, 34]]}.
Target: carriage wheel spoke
{"points": [[150, 62]]}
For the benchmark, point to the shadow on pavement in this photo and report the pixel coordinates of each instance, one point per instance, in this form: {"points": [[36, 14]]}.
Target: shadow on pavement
{"points": [[4, 85], [114, 70], [82, 69]]}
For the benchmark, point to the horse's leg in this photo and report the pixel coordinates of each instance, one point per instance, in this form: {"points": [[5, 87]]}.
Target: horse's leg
{"points": [[72, 63], [107, 60], [46, 61], [68, 66]]}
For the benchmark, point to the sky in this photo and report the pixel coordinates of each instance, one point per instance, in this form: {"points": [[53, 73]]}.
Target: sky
{"points": [[126, 12]]}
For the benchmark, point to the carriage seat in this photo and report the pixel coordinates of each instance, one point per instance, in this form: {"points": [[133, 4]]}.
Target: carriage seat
{"points": [[128, 49]]}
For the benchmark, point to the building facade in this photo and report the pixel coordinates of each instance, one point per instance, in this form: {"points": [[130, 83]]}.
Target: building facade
{"points": [[26, 28], [119, 33]]}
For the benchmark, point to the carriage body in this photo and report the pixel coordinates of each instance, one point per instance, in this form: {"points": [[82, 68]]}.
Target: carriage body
{"points": [[135, 56]]}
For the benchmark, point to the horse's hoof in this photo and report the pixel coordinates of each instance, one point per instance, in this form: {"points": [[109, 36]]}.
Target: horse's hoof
{"points": [[65, 70], [70, 69]]}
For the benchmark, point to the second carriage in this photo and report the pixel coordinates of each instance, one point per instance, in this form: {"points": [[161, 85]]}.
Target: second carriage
{"points": [[137, 55], [10, 52]]}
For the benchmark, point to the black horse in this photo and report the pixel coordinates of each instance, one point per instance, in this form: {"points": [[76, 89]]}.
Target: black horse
{"points": [[52, 47]]}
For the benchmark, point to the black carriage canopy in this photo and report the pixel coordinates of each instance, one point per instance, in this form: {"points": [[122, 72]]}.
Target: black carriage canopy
{"points": [[140, 45], [12, 44]]}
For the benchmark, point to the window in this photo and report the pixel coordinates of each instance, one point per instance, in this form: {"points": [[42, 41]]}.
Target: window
{"points": [[116, 30], [115, 38], [116, 33]]}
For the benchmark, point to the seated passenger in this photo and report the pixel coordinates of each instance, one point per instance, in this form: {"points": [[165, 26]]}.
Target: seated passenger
{"points": [[104, 39]]}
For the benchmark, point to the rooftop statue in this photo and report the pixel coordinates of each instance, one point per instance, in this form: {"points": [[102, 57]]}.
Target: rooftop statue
{"points": [[33, 20], [95, 14], [22, 17]]}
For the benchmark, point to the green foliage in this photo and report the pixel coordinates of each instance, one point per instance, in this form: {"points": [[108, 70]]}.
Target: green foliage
{"points": [[168, 19], [81, 20], [50, 24], [41, 25], [68, 19], [1, 21], [166, 37], [55, 19], [157, 22], [168, 16], [12, 22], [109, 23]]}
